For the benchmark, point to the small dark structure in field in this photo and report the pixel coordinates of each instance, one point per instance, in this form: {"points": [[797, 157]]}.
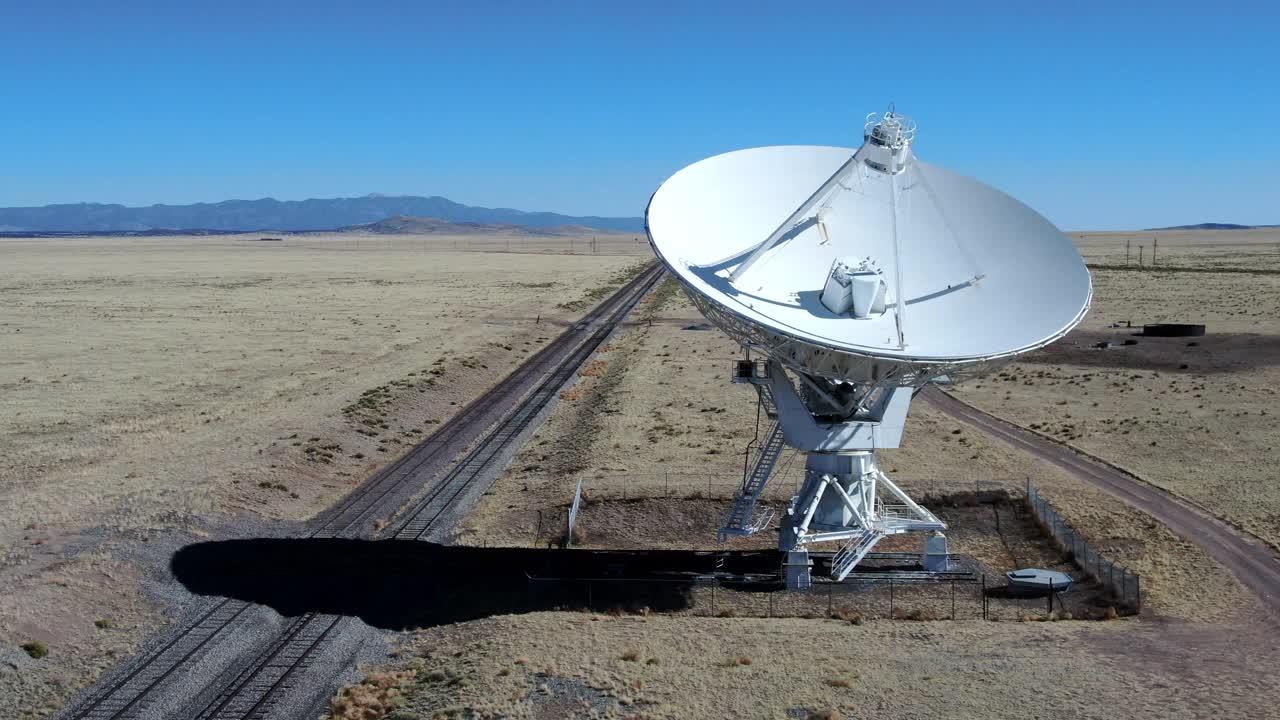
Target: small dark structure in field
{"points": [[1173, 330]]}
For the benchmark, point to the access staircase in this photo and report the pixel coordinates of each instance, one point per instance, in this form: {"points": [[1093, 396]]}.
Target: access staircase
{"points": [[848, 557], [742, 518]]}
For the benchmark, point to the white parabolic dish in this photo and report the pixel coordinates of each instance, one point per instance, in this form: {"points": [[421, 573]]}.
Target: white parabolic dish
{"points": [[985, 277]]}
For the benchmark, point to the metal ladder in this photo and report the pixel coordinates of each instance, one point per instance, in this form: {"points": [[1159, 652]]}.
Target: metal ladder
{"points": [[766, 400], [852, 553], [742, 519]]}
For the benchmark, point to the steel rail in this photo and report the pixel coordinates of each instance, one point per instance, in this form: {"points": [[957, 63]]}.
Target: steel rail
{"points": [[422, 517], [120, 699], [248, 689], [368, 495]]}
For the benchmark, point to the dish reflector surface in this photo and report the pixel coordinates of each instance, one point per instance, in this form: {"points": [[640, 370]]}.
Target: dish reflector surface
{"points": [[984, 276]]}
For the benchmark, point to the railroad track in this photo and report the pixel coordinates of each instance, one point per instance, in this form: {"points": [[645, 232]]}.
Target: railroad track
{"points": [[503, 437], [256, 691], [353, 516], [509, 408]]}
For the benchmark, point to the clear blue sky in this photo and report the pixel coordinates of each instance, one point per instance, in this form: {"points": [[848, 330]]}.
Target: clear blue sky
{"points": [[1100, 116]]}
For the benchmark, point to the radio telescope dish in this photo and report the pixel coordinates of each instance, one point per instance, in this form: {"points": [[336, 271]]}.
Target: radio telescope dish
{"points": [[858, 274]]}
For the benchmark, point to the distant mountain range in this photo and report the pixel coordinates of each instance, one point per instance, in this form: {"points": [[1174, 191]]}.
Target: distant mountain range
{"points": [[291, 215], [1213, 226], [410, 225]]}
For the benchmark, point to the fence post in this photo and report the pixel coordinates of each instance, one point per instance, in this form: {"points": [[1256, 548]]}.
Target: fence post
{"points": [[984, 586], [829, 586], [891, 607], [770, 604], [713, 600], [953, 599], [1137, 591]]}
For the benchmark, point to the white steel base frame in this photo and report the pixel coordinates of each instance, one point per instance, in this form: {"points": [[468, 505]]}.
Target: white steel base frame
{"points": [[846, 498]]}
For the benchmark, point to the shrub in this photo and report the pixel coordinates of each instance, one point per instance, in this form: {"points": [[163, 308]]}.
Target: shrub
{"points": [[631, 656], [36, 649], [846, 614], [920, 614], [104, 623]]}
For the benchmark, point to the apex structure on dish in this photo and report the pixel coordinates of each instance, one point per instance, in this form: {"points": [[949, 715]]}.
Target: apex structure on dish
{"points": [[859, 277]]}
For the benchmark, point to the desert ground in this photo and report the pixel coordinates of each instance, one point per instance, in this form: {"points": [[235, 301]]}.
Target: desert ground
{"points": [[171, 384], [656, 434], [1197, 416], [1254, 249], [161, 386], [566, 664]]}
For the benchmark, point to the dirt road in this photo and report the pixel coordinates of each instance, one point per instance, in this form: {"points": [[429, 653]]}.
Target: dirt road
{"points": [[1253, 563]]}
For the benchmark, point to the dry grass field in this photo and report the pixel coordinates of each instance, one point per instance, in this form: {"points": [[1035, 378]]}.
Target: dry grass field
{"points": [[656, 433], [151, 384], [562, 665], [1195, 249], [655, 419], [1197, 416], [158, 383]]}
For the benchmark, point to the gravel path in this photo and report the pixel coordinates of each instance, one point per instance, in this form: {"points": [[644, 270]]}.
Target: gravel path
{"points": [[1253, 563]]}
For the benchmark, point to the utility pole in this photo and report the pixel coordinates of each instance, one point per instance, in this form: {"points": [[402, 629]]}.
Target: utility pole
{"points": [[1155, 244], [1127, 242], [1139, 254]]}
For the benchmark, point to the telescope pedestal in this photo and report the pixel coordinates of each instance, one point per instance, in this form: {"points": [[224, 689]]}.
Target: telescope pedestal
{"points": [[846, 497]]}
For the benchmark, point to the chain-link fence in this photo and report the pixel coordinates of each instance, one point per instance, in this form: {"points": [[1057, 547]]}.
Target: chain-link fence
{"points": [[947, 599], [787, 479], [1122, 583], [957, 598], [553, 525]]}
